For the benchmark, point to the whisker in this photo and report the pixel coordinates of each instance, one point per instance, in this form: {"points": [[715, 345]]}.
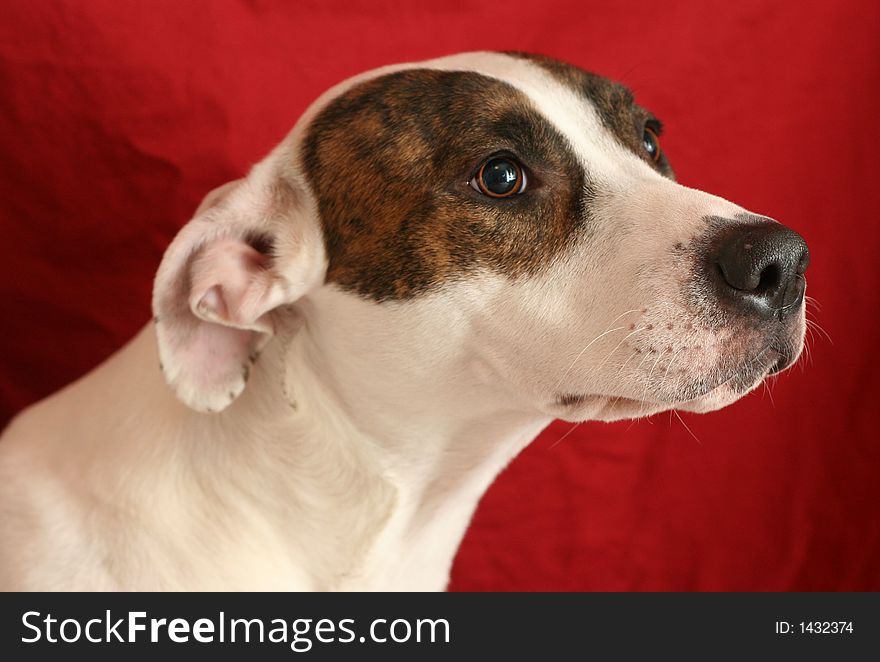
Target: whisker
{"points": [[671, 361], [769, 392], [560, 440], [818, 327], [678, 416], [808, 351], [736, 374], [648, 379], [589, 344], [621, 368], [608, 356]]}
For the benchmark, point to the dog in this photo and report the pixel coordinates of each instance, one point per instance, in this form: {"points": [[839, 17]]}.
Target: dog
{"points": [[352, 341]]}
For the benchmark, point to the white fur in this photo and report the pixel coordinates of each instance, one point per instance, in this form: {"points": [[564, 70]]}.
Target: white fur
{"points": [[356, 454]]}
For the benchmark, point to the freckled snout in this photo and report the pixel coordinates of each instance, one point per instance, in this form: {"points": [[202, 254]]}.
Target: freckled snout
{"points": [[759, 269]]}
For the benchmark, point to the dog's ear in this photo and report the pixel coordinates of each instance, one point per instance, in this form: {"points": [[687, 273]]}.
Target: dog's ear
{"points": [[250, 252]]}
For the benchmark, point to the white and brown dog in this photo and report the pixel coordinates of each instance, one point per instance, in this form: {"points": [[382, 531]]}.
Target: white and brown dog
{"points": [[437, 261]]}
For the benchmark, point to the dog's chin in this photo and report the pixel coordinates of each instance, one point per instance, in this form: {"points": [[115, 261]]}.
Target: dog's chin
{"points": [[700, 397], [579, 408], [611, 408], [607, 408]]}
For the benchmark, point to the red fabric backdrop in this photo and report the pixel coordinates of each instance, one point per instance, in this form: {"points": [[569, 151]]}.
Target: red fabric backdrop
{"points": [[116, 117]]}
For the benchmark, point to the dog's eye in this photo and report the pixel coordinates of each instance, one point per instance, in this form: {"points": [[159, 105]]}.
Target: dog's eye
{"points": [[651, 143], [500, 177]]}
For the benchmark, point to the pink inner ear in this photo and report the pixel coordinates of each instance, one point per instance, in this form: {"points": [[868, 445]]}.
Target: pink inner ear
{"points": [[231, 284], [224, 321]]}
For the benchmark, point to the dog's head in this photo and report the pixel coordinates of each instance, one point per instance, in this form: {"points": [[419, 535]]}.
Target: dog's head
{"points": [[523, 213]]}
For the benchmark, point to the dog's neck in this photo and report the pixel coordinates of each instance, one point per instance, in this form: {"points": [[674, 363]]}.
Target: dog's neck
{"points": [[388, 438]]}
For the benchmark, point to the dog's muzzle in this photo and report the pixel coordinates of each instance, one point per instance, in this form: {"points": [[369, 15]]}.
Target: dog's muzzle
{"points": [[757, 269]]}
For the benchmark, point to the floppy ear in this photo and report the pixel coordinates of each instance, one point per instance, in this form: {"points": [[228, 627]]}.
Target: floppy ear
{"points": [[249, 252]]}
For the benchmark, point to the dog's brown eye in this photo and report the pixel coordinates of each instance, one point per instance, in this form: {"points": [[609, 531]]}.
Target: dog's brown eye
{"points": [[651, 143], [500, 177]]}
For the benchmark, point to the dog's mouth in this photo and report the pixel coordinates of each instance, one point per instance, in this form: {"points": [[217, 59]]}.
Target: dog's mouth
{"points": [[785, 360], [601, 407], [701, 394]]}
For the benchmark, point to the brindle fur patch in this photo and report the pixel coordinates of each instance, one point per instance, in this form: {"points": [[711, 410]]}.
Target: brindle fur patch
{"points": [[390, 161], [613, 102]]}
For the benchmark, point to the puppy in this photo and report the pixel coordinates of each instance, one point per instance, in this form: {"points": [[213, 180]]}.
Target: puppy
{"points": [[351, 342]]}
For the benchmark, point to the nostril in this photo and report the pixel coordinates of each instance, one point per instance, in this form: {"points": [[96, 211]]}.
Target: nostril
{"points": [[769, 279], [750, 279]]}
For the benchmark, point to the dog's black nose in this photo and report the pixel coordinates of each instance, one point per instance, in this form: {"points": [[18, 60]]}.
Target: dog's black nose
{"points": [[761, 266]]}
